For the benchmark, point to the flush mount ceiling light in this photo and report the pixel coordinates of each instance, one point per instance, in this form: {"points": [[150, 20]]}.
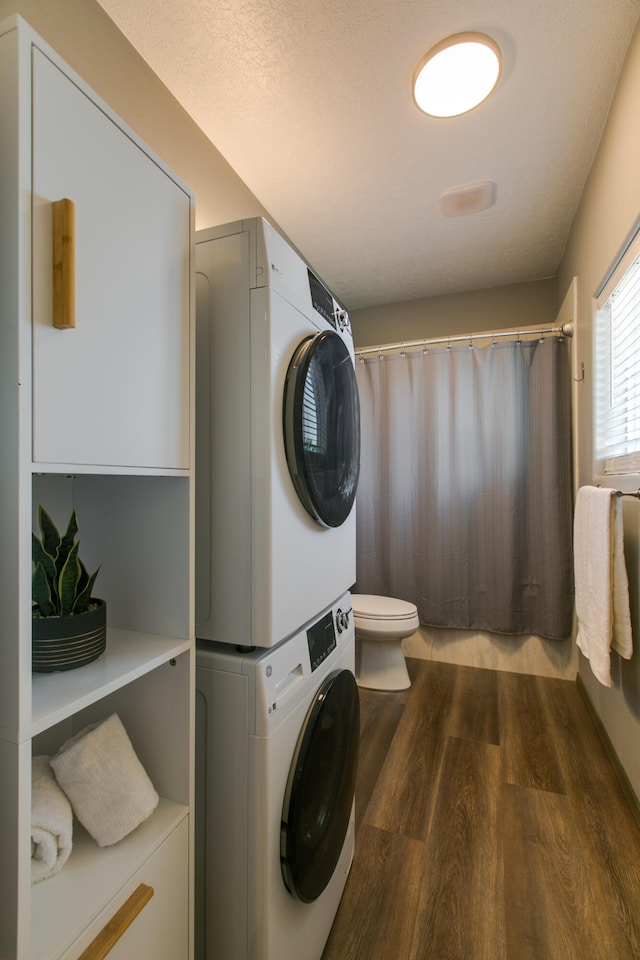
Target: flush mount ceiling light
{"points": [[457, 74]]}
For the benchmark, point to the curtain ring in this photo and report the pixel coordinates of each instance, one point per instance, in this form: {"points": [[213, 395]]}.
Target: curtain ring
{"points": [[425, 349], [402, 349]]}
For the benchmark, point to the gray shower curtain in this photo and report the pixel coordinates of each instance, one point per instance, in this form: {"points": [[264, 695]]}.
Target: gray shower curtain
{"points": [[464, 504]]}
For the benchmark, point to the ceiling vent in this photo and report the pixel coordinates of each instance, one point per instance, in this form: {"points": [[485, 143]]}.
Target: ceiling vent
{"points": [[459, 201]]}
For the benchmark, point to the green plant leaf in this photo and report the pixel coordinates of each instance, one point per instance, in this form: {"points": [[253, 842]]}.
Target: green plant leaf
{"points": [[68, 581], [42, 594], [50, 535], [84, 578], [66, 544], [40, 557], [72, 530], [84, 594]]}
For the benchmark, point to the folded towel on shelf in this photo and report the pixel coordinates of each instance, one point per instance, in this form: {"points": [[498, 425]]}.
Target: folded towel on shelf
{"points": [[51, 822], [103, 778], [602, 587]]}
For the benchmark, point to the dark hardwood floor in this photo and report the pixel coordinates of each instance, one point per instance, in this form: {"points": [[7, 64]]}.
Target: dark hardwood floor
{"points": [[489, 826]]}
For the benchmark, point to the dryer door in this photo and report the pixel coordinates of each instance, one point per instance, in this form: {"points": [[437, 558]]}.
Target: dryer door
{"points": [[321, 415], [320, 788]]}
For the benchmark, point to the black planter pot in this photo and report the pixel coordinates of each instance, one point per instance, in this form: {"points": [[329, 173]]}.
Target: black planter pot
{"points": [[65, 643]]}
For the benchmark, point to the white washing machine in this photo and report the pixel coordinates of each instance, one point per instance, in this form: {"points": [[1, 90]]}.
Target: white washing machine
{"points": [[277, 735], [277, 439]]}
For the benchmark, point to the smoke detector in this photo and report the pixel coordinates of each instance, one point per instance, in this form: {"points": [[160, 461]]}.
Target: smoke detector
{"points": [[470, 198]]}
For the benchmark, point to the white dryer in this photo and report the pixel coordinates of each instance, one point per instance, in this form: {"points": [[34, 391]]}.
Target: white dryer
{"points": [[277, 439], [277, 734]]}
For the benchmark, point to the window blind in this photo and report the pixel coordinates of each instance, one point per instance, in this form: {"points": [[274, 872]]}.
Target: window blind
{"points": [[314, 401], [618, 370]]}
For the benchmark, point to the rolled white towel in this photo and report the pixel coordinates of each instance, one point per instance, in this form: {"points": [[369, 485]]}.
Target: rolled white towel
{"points": [[103, 778], [51, 822]]}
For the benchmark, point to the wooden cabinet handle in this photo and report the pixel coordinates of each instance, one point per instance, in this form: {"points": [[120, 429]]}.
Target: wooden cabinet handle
{"points": [[64, 264], [119, 923]]}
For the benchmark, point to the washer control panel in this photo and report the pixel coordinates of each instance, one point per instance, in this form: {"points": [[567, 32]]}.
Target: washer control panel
{"points": [[321, 639]]}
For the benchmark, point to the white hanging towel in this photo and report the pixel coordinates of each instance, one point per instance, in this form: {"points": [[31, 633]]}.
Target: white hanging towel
{"points": [[602, 587]]}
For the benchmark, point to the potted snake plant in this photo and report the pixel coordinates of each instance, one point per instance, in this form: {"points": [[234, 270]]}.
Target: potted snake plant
{"points": [[69, 624]]}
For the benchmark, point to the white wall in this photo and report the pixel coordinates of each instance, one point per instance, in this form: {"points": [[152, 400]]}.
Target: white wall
{"points": [[609, 208]]}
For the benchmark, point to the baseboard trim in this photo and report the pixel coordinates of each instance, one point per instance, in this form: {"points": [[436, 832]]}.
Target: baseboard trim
{"points": [[625, 783]]}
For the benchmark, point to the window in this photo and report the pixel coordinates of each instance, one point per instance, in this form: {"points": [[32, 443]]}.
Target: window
{"points": [[617, 344]]}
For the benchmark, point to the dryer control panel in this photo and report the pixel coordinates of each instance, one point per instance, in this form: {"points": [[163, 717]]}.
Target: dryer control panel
{"points": [[326, 305]]}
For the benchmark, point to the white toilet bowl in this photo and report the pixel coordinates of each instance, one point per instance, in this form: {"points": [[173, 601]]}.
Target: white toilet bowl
{"points": [[381, 624]]}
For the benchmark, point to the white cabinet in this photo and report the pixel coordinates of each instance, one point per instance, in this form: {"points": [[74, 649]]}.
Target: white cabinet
{"points": [[112, 391], [100, 418], [160, 930]]}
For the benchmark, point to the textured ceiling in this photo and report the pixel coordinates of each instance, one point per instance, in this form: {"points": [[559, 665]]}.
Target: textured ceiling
{"points": [[310, 102]]}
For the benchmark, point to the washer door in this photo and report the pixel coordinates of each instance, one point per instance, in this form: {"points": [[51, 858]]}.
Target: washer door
{"points": [[321, 414], [320, 788]]}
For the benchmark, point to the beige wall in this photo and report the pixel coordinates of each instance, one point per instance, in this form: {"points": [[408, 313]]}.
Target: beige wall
{"points": [[608, 210], [496, 308], [88, 40]]}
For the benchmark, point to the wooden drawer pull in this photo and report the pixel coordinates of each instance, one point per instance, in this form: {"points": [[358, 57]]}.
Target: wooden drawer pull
{"points": [[120, 921], [64, 264]]}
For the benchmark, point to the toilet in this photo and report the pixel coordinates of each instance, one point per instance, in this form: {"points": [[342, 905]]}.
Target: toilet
{"points": [[381, 623]]}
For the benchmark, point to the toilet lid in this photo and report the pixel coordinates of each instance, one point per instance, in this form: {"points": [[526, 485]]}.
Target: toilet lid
{"points": [[382, 608]]}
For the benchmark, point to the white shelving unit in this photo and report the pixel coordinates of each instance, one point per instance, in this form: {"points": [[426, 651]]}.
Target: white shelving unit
{"points": [[100, 418]]}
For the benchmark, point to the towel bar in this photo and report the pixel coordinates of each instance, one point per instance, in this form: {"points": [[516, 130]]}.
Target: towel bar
{"points": [[620, 493]]}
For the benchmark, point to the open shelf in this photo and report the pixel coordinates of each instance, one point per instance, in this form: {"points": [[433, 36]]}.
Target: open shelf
{"points": [[128, 655]]}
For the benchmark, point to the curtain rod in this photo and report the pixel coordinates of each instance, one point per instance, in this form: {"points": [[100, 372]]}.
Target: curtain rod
{"points": [[566, 330]]}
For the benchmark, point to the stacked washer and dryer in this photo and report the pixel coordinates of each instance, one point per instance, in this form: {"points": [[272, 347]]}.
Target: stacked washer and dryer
{"points": [[277, 713]]}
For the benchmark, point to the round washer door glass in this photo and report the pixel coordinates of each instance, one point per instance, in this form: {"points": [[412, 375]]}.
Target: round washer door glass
{"points": [[320, 789], [322, 427]]}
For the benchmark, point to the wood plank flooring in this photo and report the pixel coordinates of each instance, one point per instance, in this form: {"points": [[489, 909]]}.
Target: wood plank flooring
{"points": [[489, 826]]}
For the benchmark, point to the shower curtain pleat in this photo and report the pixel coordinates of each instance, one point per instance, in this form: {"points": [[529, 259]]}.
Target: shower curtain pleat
{"points": [[464, 505]]}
